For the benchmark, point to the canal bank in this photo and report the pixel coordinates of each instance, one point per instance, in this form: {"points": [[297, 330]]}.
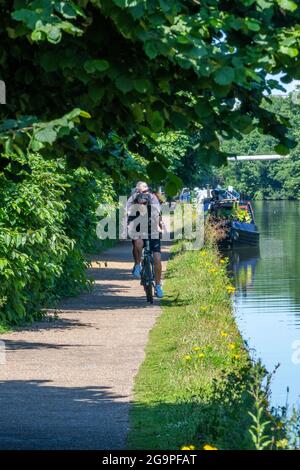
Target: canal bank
{"points": [[192, 388]]}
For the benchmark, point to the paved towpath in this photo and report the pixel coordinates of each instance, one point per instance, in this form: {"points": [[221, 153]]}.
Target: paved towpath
{"points": [[67, 384]]}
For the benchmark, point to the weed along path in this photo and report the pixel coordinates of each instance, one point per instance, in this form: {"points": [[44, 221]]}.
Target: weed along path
{"points": [[67, 384]]}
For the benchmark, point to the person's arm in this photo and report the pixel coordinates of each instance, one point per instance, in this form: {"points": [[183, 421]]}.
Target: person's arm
{"points": [[156, 213]]}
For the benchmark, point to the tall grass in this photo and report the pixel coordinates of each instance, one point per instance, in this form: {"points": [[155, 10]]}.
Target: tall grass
{"points": [[192, 387]]}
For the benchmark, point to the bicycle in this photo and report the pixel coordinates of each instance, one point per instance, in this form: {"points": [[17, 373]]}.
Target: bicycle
{"points": [[147, 272]]}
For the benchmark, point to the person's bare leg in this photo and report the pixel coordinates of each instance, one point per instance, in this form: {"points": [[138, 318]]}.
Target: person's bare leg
{"points": [[137, 250], [157, 267]]}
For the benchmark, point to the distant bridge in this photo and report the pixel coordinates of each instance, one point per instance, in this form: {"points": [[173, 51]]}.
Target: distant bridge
{"points": [[255, 157]]}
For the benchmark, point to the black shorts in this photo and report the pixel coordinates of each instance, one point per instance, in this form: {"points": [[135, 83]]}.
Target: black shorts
{"points": [[154, 245]]}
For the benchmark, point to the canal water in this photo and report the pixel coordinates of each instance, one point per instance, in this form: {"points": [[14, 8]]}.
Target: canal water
{"points": [[267, 299]]}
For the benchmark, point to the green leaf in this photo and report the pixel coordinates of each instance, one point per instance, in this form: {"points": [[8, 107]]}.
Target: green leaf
{"points": [[66, 9], [156, 171], [221, 91], [142, 85], [3, 263], [47, 135], [36, 35], [179, 121], [264, 4], [203, 109], [151, 49], [26, 16], [252, 24], [290, 51], [85, 114], [137, 111], [36, 146], [54, 35], [96, 92], [96, 65], [165, 5], [120, 3], [175, 179], [155, 120], [171, 188], [224, 76], [288, 5], [281, 149], [243, 124], [124, 84]]}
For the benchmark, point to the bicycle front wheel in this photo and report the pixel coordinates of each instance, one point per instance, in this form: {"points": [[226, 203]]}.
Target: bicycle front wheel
{"points": [[147, 279]]}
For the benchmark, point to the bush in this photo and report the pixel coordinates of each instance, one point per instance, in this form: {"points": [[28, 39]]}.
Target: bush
{"points": [[47, 223], [85, 191]]}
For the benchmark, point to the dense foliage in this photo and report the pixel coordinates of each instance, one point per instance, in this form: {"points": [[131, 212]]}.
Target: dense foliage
{"points": [[47, 222], [138, 67]]}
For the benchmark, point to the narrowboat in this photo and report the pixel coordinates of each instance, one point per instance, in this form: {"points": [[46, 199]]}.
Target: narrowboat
{"points": [[234, 218]]}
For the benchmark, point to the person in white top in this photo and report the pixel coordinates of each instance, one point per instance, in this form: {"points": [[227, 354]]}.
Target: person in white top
{"points": [[143, 201]]}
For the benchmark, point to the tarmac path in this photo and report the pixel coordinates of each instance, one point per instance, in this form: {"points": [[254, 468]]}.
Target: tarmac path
{"points": [[67, 384]]}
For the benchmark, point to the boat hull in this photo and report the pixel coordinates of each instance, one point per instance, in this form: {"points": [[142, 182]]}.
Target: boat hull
{"points": [[242, 234], [243, 237]]}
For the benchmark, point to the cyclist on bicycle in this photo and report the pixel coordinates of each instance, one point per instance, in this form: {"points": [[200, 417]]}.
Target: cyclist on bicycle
{"points": [[144, 202]]}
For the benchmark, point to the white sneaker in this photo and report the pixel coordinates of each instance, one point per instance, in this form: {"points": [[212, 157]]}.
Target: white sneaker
{"points": [[136, 270]]}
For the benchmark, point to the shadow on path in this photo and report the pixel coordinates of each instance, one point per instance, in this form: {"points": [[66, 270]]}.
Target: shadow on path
{"points": [[39, 417]]}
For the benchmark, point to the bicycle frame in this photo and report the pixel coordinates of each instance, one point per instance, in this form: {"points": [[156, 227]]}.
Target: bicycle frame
{"points": [[147, 274]]}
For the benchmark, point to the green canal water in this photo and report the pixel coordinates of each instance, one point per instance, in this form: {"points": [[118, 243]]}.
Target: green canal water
{"points": [[267, 299]]}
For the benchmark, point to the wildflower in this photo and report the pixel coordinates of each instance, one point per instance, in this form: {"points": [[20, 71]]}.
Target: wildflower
{"points": [[224, 334], [230, 289], [209, 447], [196, 348], [236, 357], [188, 447], [201, 355], [222, 261], [187, 357], [231, 346], [203, 253], [203, 308], [282, 444], [212, 270]]}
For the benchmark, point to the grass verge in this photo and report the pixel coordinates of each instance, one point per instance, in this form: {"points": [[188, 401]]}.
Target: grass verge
{"points": [[192, 386]]}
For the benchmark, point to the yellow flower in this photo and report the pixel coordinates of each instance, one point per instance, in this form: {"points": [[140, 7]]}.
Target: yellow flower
{"points": [[212, 270], [224, 334], [203, 253], [203, 308], [230, 289], [188, 447], [196, 348], [187, 357], [222, 261], [201, 355], [282, 444], [236, 356], [231, 345], [209, 447]]}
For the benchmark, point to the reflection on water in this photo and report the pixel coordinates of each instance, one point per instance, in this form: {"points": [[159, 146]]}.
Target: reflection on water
{"points": [[242, 264], [267, 299]]}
